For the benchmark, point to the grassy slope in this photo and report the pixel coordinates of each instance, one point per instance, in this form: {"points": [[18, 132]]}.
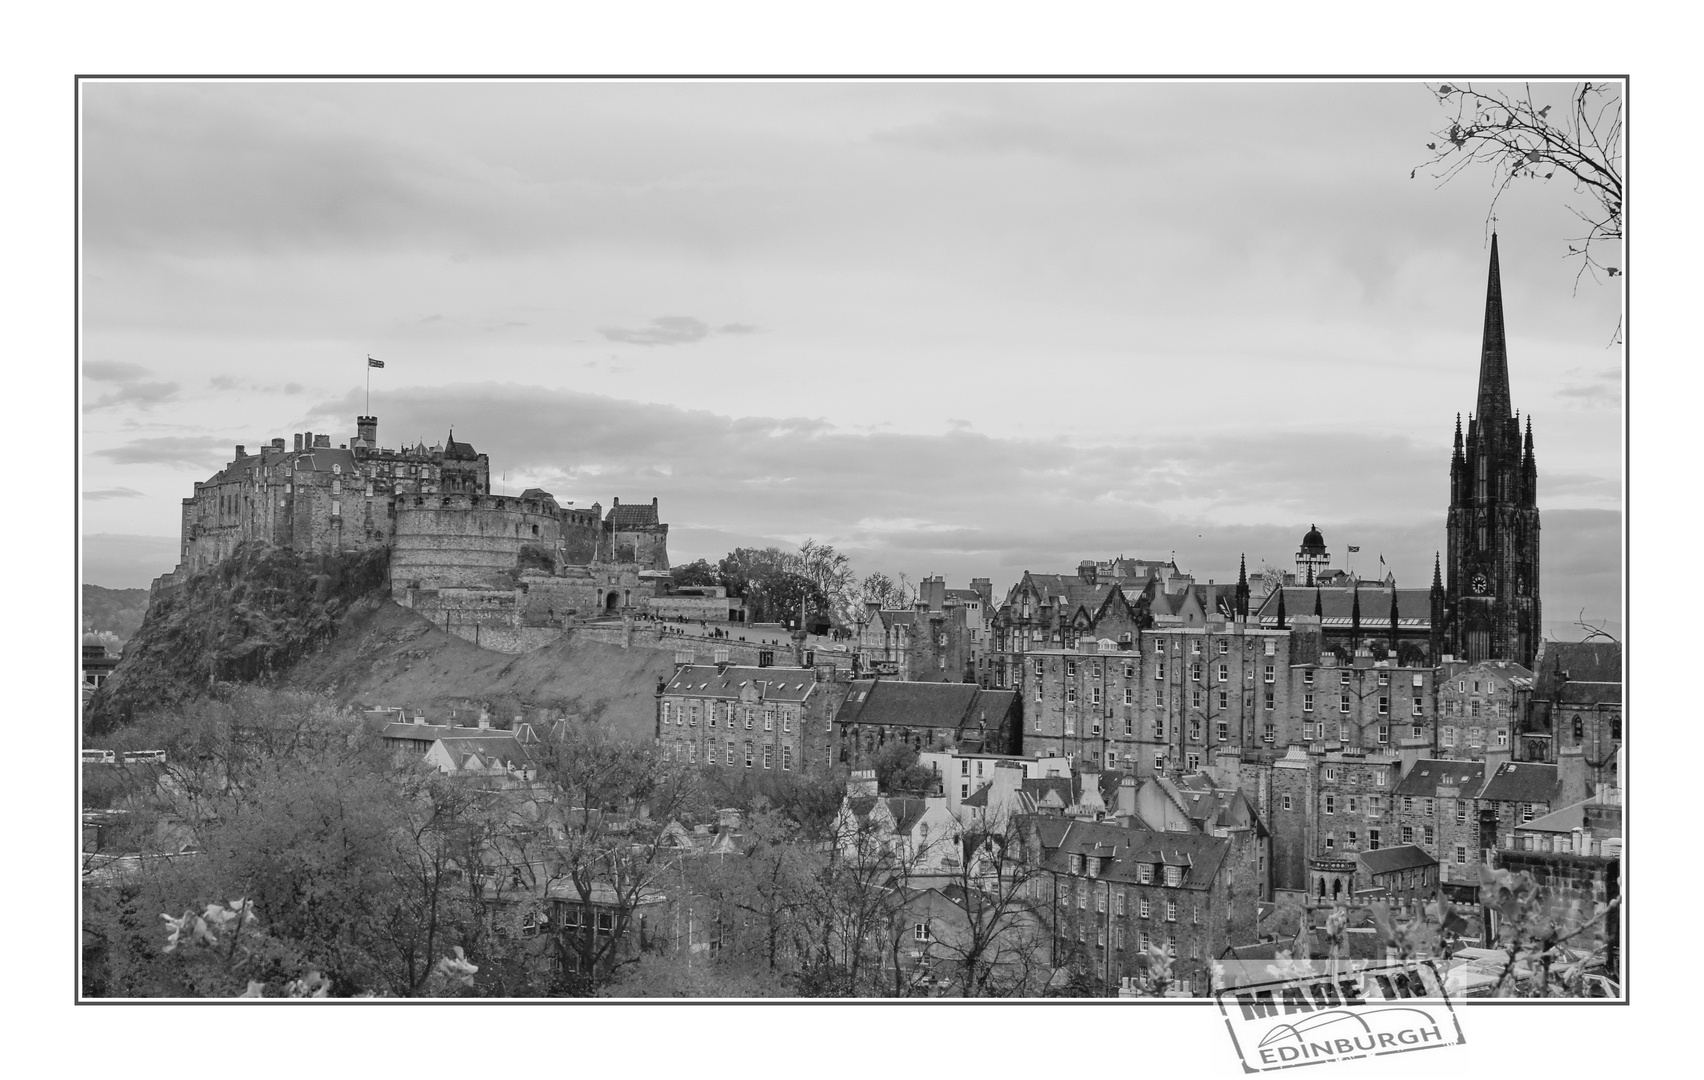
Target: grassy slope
{"points": [[386, 655], [116, 611]]}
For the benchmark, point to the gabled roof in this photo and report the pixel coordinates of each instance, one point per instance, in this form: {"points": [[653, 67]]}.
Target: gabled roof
{"points": [[1391, 859], [490, 746], [1521, 781], [1567, 819], [1039, 788], [427, 734], [1429, 774], [1584, 661], [906, 812], [782, 684], [459, 451], [931, 705], [1127, 847]]}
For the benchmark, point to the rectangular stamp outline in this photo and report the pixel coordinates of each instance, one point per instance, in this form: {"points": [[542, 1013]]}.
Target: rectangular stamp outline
{"points": [[1227, 1000]]}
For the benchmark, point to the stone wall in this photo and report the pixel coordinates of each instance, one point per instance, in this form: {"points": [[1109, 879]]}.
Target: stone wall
{"points": [[460, 540]]}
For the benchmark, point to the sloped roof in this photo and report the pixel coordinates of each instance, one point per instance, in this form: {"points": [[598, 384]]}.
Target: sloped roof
{"points": [[1201, 855], [499, 746], [1568, 819], [1038, 788], [431, 733], [628, 514], [918, 704], [906, 812], [1337, 606], [1521, 781], [1584, 661], [1429, 774], [1390, 859], [782, 684], [459, 451]]}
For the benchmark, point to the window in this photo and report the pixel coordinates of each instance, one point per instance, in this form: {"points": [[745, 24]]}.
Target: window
{"points": [[1159, 647], [692, 752], [1195, 672], [1094, 694], [1159, 727], [1461, 854], [768, 758], [1224, 673], [1270, 700], [1331, 804], [1384, 706], [1100, 901], [1384, 678], [920, 932], [693, 713], [1286, 802], [1429, 806], [1526, 812], [1038, 669], [1307, 676], [1118, 903], [1378, 778], [1082, 896], [666, 709], [1343, 678], [1270, 734], [1129, 725], [1271, 675], [1144, 876], [1330, 841], [1070, 669], [750, 716], [786, 758], [606, 922], [730, 758], [1354, 805], [1171, 911], [1192, 762], [1159, 763], [1419, 706], [1429, 836], [1038, 698], [1070, 695], [1417, 731], [1129, 671], [1384, 734], [769, 718], [1195, 699], [1129, 696], [1407, 834], [1224, 699], [1144, 910], [1343, 703], [1307, 703], [1159, 671], [1449, 735], [1331, 772], [1174, 876], [1372, 839], [1223, 730], [786, 720]]}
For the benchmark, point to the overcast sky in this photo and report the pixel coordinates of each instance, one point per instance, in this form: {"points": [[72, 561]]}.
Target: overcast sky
{"points": [[956, 328]]}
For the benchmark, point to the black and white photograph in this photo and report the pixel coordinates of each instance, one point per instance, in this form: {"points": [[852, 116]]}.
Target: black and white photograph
{"points": [[842, 538]]}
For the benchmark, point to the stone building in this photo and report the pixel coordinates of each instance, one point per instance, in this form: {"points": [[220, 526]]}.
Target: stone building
{"points": [[1480, 705], [1111, 891], [1576, 703], [753, 718], [926, 716], [1436, 808]]}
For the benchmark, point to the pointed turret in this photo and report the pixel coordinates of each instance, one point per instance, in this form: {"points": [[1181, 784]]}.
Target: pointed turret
{"points": [[1319, 608], [1457, 455], [1281, 623], [1494, 400], [1355, 617], [1437, 572], [1242, 587]]}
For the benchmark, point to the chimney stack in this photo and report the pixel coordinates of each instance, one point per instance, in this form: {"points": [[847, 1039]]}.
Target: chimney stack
{"points": [[298, 442]]}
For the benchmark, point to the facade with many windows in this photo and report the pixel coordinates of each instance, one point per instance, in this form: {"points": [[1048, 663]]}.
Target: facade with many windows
{"points": [[739, 717]]}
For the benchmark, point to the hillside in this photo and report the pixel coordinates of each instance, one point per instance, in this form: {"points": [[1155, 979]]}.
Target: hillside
{"points": [[249, 619], [113, 611], [386, 655]]}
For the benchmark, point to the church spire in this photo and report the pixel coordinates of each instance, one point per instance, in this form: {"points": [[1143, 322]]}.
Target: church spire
{"points": [[1281, 623], [1242, 587], [1494, 401]]}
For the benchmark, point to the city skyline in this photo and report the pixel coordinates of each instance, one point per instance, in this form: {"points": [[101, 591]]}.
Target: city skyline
{"points": [[932, 325]]}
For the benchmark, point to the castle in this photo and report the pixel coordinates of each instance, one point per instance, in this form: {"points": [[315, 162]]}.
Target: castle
{"points": [[481, 565]]}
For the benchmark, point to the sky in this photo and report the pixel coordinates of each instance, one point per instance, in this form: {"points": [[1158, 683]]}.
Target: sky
{"points": [[961, 328]]}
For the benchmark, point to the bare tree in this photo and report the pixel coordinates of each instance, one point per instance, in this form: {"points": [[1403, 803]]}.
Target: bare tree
{"points": [[1518, 139]]}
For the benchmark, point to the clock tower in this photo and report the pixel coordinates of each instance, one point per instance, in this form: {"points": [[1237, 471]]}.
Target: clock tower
{"points": [[1491, 599]]}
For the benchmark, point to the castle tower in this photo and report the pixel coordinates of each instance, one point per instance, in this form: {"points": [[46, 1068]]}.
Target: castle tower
{"points": [[1491, 590], [367, 431]]}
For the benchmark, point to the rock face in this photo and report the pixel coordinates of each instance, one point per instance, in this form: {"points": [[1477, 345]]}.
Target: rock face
{"points": [[248, 619]]}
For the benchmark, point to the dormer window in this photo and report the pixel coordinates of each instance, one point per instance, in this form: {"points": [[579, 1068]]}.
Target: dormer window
{"points": [[1174, 876]]}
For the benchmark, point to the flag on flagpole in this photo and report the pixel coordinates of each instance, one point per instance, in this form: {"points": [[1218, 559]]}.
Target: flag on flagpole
{"points": [[1353, 548], [375, 363]]}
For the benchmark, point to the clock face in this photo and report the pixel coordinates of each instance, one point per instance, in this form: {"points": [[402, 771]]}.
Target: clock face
{"points": [[1481, 583]]}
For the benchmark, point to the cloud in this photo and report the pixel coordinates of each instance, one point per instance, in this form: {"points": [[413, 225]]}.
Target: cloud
{"points": [[193, 451], [1602, 392], [113, 371], [113, 493], [130, 385], [125, 560], [674, 330]]}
